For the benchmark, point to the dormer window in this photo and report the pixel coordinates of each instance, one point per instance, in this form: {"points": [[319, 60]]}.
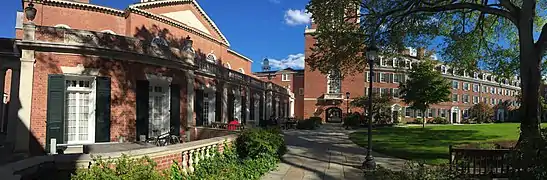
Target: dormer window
{"points": [[476, 75], [158, 41], [285, 77], [443, 69]]}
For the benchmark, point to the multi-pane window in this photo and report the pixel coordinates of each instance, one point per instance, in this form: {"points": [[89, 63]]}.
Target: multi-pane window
{"points": [[484, 89], [466, 86], [408, 112], [475, 99], [442, 112], [206, 108], [396, 93], [158, 109], [455, 85], [285, 77], [475, 88], [454, 97], [499, 91], [80, 117], [383, 77], [492, 90], [466, 98], [334, 82]]}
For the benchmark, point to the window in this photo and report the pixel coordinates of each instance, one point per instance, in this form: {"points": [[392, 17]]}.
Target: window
{"points": [[241, 70], [442, 112], [499, 91], [367, 77], [159, 108], [475, 88], [466, 98], [493, 101], [475, 99], [158, 41], [454, 97], [492, 90], [455, 85], [465, 112], [383, 77], [466, 86], [301, 91], [396, 93], [396, 78], [430, 112], [211, 58], [484, 89], [408, 112], [383, 91], [227, 65], [285, 77], [334, 82], [80, 114], [206, 108]]}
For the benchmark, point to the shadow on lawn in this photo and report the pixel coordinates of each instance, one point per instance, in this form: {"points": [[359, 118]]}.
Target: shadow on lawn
{"points": [[429, 145]]}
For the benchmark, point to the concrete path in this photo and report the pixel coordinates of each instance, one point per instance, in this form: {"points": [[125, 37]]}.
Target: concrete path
{"points": [[325, 153]]}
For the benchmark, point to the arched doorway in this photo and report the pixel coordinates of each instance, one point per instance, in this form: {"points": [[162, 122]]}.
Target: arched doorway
{"points": [[334, 115], [455, 115]]}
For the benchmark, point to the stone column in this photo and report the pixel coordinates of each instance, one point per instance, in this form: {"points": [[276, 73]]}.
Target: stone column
{"points": [[190, 93], [238, 104], [248, 103], [24, 94], [269, 105], [224, 101], [291, 107], [264, 113]]}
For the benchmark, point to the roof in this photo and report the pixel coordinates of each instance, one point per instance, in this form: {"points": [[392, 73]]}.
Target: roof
{"points": [[145, 5], [277, 71]]}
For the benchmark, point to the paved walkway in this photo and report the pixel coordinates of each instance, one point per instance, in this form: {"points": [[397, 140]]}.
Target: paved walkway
{"points": [[326, 153]]}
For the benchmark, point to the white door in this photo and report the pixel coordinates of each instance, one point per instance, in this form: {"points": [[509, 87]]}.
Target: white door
{"points": [[80, 111], [158, 109]]}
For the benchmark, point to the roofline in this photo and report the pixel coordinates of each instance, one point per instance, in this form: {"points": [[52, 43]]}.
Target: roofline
{"points": [[80, 5], [240, 55], [215, 27]]}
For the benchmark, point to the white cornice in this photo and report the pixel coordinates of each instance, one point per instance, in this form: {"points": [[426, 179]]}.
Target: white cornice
{"points": [[240, 55], [79, 5], [309, 31], [202, 12]]}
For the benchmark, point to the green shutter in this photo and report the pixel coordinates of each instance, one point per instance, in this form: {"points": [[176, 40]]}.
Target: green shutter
{"points": [[198, 107], [102, 111], [142, 108], [55, 109], [175, 109]]}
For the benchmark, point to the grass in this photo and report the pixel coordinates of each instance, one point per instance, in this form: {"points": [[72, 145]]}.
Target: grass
{"points": [[431, 144]]}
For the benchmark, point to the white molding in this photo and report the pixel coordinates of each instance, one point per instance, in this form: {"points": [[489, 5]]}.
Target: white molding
{"points": [[309, 31], [62, 26], [153, 77], [80, 70]]}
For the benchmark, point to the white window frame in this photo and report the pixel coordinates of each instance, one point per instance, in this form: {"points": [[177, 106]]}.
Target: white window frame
{"points": [[457, 98], [92, 106], [241, 70], [382, 76], [285, 77], [475, 88], [329, 84], [475, 99], [456, 83], [466, 86], [465, 98]]}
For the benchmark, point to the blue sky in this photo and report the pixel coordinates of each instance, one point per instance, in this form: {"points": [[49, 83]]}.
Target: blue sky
{"points": [[258, 29]]}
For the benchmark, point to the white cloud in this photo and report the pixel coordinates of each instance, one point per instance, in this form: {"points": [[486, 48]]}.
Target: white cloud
{"points": [[434, 57], [275, 1], [295, 17], [295, 61]]}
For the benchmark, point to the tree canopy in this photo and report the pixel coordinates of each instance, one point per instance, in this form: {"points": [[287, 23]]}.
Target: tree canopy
{"points": [[381, 105]]}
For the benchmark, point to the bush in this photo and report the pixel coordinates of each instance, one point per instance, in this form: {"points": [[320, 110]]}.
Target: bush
{"points": [[120, 168], [418, 121], [317, 121], [413, 171], [307, 124], [257, 143], [352, 120], [440, 120]]}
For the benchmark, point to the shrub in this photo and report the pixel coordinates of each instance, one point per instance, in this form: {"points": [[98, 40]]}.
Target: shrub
{"points": [[440, 120], [120, 168], [257, 143], [307, 124], [418, 121], [352, 121], [317, 121], [413, 171]]}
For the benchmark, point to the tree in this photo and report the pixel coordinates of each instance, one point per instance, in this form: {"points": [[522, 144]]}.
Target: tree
{"points": [[424, 87], [481, 112], [507, 36], [381, 105]]}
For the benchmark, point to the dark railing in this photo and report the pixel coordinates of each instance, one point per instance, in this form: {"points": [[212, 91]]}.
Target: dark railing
{"points": [[493, 163], [227, 126]]}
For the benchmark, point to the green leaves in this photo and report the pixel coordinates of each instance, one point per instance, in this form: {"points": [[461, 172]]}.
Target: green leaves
{"points": [[425, 86]]}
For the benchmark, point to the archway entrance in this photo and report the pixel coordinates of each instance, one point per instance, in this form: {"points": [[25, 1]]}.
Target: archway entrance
{"points": [[334, 115]]}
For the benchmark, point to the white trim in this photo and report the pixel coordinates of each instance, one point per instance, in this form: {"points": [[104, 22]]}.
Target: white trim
{"points": [[214, 58], [227, 65], [62, 26], [241, 70], [153, 77], [80, 70], [285, 77], [109, 32], [92, 89], [308, 31]]}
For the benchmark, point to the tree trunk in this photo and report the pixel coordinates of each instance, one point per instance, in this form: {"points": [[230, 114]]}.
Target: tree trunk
{"points": [[424, 119]]}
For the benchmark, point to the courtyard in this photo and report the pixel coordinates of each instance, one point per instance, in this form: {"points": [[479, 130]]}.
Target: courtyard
{"points": [[431, 144]]}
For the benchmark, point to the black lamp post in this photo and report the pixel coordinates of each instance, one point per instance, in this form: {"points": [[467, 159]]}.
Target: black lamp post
{"points": [[372, 54], [30, 12], [347, 103]]}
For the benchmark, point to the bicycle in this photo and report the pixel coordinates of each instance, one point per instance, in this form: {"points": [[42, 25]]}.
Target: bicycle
{"points": [[164, 139]]}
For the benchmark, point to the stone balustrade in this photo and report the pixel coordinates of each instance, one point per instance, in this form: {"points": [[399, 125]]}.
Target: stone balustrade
{"points": [[188, 155]]}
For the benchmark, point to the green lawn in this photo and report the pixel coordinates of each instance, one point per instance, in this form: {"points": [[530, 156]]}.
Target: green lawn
{"points": [[431, 144]]}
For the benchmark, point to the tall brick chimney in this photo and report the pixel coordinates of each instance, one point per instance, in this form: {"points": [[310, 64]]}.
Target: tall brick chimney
{"points": [[421, 53]]}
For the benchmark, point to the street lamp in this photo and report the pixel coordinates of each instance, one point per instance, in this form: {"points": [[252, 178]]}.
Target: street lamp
{"points": [[30, 12], [347, 103], [372, 54]]}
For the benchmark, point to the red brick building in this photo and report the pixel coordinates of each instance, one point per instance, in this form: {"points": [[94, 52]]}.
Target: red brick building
{"points": [[89, 74], [294, 81], [324, 95]]}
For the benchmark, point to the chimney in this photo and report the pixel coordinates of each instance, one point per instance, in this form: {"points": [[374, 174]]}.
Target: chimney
{"points": [[421, 53]]}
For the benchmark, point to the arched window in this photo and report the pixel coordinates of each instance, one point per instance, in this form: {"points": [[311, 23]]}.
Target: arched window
{"points": [[334, 82], [241, 70], [108, 32], [211, 58], [62, 26], [227, 65], [158, 41]]}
